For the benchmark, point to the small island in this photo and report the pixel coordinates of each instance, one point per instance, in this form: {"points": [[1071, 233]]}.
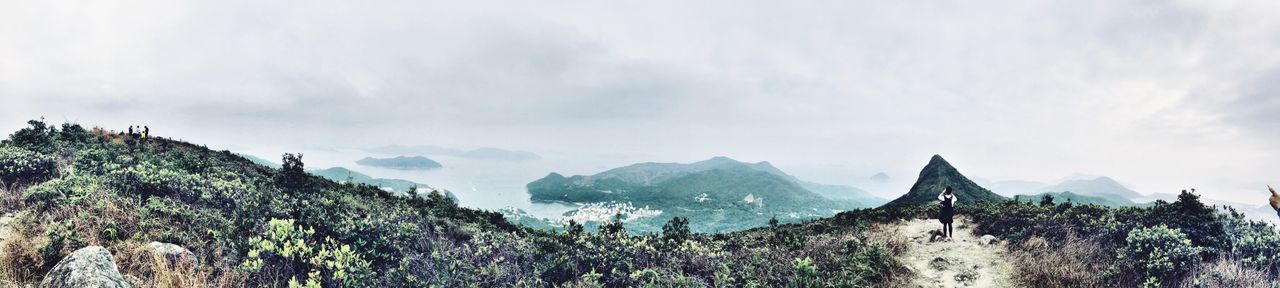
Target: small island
{"points": [[401, 162]]}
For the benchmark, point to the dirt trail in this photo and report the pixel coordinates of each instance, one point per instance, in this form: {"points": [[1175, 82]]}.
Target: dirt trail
{"points": [[964, 262]]}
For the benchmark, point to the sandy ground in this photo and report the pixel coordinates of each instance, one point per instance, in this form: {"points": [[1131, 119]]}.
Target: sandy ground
{"points": [[962, 262]]}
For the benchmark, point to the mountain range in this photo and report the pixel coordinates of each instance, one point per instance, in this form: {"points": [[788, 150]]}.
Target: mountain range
{"points": [[401, 162], [725, 193], [484, 153]]}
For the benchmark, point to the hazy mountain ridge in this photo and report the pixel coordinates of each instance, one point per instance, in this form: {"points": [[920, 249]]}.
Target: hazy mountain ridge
{"points": [[401, 162]]}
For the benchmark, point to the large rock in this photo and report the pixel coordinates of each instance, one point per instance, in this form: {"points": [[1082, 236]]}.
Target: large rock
{"points": [[88, 267], [174, 254], [989, 240]]}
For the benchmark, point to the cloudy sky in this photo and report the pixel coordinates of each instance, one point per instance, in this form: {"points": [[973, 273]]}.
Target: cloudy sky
{"points": [[1161, 95]]}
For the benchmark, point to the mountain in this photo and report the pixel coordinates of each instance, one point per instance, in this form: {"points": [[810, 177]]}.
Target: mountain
{"points": [[721, 193], [938, 174], [401, 162], [842, 192], [1015, 187], [259, 160], [1060, 197], [484, 153], [880, 177], [1097, 186]]}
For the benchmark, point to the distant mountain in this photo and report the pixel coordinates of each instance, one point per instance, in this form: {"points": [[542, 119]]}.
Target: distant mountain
{"points": [[1016, 187], [340, 174], [842, 192], [484, 153], [1060, 197], [880, 177], [938, 174], [259, 160], [1098, 186], [401, 162], [718, 194]]}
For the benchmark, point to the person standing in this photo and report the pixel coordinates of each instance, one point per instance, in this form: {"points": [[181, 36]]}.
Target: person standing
{"points": [[146, 131], [947, 211], [130, 130]]}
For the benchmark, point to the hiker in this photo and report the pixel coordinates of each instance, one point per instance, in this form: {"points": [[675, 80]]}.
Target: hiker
{"points": [[947, 211], [145, 131], [130, 130], [1275, 200]]}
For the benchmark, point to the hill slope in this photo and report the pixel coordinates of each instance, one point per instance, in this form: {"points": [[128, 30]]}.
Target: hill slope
{"points": [[939, 174]]}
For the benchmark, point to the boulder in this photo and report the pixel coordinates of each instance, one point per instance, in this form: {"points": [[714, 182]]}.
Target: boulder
{"points": [[90, 266], [174, 254], [989, 240]]}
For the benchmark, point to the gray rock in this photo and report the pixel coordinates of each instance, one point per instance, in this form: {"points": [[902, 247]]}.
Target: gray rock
{"points": [[939, 263], [90, 266], [989, 240], [174, 254]]}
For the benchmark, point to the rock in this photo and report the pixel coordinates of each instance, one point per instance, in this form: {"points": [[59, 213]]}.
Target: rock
{"points": [[939, 263], [133, 280], [174, 254], [90, 266], [989, 240]]}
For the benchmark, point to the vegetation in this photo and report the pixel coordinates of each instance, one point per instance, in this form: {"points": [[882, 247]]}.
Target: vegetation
{"points": [[252, 225], [1183, 243]]}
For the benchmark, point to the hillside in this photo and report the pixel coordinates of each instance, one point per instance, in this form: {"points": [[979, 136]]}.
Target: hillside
{"points": [[74, 189], [939, 174], [720, 194]]}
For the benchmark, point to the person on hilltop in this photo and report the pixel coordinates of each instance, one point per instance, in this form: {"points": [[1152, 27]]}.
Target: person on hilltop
{"points": [[946, 211], [130, 130]]}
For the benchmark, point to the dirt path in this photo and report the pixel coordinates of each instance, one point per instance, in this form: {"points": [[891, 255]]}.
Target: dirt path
{"points": [[6, 227], [964, 262]]}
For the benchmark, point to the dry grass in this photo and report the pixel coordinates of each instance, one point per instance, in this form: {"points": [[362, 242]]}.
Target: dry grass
{"points": [[1228, 273], [1076, 262], [890, 237], [139, 260]]}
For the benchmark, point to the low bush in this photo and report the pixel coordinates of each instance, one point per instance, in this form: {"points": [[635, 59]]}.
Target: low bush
{"points": [[20, 166]]}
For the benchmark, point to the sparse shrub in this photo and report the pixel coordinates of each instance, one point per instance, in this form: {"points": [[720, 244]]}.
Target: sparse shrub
{"points": [[1158, 252], [35, 138]]}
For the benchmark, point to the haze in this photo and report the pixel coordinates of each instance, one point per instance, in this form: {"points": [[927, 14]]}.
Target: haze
{"points": [[1160, 95]]}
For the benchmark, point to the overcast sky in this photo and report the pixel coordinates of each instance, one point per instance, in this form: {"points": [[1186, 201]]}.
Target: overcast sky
{"points": [[1160, 95]]}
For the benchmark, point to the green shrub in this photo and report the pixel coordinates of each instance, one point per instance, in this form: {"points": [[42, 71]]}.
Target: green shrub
{"points": [[806, 273], [290, 249], [19, 166], [1158, 252]]}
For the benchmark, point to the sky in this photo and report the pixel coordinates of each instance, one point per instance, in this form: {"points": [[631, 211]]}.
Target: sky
{"points": [[1160, 95]]}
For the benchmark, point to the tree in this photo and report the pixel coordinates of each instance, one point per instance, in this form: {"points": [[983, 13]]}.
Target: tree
{"points": [[293, 174], [773, 222], [1047, 200], [613, 226], [574, 229], [34, 138], [677, 229]]}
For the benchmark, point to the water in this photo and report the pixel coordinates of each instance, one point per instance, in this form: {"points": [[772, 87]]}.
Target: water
{"points": [[481, 184]]}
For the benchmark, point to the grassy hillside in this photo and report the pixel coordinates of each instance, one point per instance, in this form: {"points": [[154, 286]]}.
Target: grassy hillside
{"points": [[252, 225]]}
